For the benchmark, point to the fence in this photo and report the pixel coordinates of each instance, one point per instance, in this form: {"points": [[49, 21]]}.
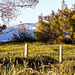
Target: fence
{"points": [[41, 65], [59, 52]]}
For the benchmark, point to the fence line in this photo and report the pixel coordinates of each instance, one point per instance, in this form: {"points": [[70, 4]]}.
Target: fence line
{"points": [[26, 50], [26, 53], [50, 51]]}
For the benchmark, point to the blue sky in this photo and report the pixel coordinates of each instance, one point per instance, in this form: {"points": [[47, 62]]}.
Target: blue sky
{"points": [[30, 15]]}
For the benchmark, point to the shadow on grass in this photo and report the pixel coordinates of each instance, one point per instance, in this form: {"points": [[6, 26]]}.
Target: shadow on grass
{"points": [[34, 62]]}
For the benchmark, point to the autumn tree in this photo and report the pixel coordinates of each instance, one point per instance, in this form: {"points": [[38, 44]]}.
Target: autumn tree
{"points": [[57, 27], [49, 29]]}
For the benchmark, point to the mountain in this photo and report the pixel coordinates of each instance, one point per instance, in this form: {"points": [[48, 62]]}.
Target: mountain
{"points": [[27, 25], [7, 33]]}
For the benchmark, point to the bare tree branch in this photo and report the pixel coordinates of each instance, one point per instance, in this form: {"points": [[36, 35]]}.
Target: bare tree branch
{"points": [[9, 9]]}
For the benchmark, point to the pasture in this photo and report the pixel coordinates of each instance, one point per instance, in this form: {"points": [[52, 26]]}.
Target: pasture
{"points": [[42, 59]]}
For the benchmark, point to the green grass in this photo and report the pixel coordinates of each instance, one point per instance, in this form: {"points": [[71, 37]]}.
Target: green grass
{"points": [[36, 49], [42, 59]]}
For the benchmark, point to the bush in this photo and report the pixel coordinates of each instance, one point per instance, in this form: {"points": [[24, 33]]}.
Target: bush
{"points": [[22, 36], [4, 26], [67, 40], [73, 41]]}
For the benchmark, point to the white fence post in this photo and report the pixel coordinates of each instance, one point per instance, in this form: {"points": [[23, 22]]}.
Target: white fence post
{"points": [[60, 55], [26, 50]]}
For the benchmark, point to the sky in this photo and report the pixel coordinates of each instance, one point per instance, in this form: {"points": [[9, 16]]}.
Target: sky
{"points": [[30, 15]]}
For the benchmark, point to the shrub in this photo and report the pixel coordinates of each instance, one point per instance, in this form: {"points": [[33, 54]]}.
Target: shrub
{"points": [[22, 35], [67, 40]]}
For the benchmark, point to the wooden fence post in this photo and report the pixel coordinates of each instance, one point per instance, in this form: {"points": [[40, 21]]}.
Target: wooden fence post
{"points": [[60, 55], [26, 50]]}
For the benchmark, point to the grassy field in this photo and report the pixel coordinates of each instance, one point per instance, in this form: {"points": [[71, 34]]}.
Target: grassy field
{"points": [[36, 49], [40, 57]]}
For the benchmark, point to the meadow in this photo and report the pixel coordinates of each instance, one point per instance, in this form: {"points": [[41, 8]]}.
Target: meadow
{"points": [[43, 59]]}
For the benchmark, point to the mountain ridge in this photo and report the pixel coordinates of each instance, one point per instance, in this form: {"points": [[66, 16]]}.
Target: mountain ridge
{"points": [[7, 33]]}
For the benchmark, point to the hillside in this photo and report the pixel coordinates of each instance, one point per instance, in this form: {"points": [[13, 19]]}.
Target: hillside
{"points": [[7, 34]]}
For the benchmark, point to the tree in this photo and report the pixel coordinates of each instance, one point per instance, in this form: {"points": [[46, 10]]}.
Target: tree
{"points": [[63, 4], [57, 27], [22, 35], [9, 8], [49, 29], [67, 17], [0, 30], [4, 26]]}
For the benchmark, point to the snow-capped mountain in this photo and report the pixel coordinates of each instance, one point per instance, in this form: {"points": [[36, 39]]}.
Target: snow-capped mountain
{"points": [[7, 33]]}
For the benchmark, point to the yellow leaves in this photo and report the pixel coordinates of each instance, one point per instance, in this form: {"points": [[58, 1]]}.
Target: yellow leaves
{"points": [[51, 26], [56, 16], [73, 17], [74, 35], [60, 38], [69, 10]]}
